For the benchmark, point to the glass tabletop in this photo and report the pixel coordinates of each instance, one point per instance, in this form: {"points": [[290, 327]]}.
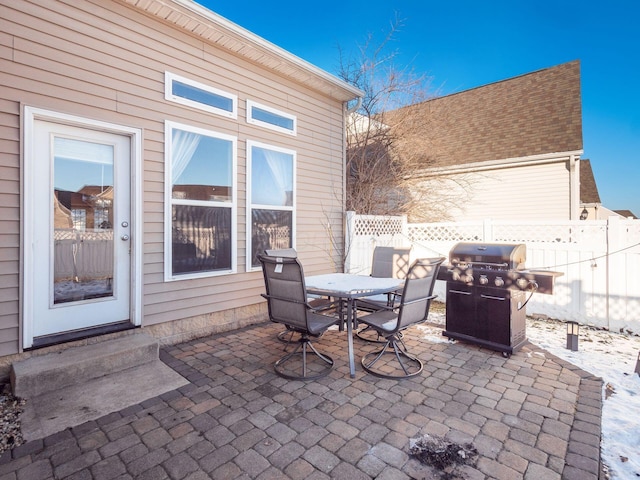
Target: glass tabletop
{"points": [[346, 285]]}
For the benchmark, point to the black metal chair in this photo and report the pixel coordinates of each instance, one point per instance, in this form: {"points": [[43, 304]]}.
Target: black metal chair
{"points": [[387, 262], [390, 322], [287, 303]]}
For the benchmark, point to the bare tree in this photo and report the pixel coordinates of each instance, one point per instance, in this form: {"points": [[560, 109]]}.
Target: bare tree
{"points": [[388, 144]]}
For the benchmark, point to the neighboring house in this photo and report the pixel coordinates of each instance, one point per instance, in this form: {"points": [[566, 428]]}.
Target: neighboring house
{"points": [[150, 148], [626, 214], [590, 204], [508, 150]]}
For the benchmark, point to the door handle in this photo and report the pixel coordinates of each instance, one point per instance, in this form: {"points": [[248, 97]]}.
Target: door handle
{"points": [[124, 238]]}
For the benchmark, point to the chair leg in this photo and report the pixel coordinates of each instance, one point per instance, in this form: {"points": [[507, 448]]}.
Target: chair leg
{"points": [[302, 351], [391, 348]]}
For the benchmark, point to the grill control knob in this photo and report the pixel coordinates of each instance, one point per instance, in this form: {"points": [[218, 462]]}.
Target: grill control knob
{"points": [[483, 280], [522, 283], [499, 282]]}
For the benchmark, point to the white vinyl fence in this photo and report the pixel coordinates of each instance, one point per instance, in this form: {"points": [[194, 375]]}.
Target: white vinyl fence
{"points": [[599, 259]]}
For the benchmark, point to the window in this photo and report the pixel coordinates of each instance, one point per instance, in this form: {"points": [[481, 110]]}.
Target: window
{"points": [[79, 218], [201, 202], [271, 199], [194, 94], [270, 118]]}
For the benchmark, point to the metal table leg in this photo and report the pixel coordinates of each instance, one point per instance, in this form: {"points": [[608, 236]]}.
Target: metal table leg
{"points": [[352, 363]]}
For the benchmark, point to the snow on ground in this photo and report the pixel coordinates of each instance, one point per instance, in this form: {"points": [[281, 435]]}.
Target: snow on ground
{"points": [[611, 356]]}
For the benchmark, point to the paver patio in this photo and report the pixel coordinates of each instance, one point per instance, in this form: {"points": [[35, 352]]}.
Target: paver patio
{"points": [[530, 416]]}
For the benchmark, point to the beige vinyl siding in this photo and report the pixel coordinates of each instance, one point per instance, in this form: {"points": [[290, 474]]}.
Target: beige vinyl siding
{"points": [[530, 192], [9, 219], [106, 61], [9, 306]]}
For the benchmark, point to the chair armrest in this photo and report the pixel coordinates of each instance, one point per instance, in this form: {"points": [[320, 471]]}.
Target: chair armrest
{"points": [[430, 297], [273, 297]]}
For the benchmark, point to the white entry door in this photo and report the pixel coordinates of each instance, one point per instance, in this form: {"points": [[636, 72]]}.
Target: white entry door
{"points": [[80, 265]]}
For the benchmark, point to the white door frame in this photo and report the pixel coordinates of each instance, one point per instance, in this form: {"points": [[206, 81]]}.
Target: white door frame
{"points": [[30, 115]]}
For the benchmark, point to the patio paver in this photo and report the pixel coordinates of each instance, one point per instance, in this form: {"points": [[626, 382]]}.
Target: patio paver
{"points": [[530, 416]]}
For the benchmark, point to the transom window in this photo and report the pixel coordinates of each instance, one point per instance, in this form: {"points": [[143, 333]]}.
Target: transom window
{"points": [[271, 199], [201, 202], [198, 95], [270, 118]]}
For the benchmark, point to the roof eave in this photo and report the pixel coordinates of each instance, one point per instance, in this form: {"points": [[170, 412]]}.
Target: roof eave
{"points": [[504, 163], [200, 21]]}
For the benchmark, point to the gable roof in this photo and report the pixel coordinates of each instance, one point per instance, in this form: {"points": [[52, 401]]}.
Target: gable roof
{"points": [[588, 188], [213, 28], [532, 114], [626, 214]]}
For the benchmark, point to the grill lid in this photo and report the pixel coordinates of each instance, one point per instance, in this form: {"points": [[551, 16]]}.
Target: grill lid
{"points": [[495, 256]]}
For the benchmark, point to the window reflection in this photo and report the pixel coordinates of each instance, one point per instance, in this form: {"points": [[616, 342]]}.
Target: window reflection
{"points": [[201, 239], [83, 213], [270, 229], [271, 177], [201, 172]]}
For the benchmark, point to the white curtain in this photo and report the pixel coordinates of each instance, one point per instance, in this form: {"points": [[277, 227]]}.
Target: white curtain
{"points": [[280, 167], [183, 146]]}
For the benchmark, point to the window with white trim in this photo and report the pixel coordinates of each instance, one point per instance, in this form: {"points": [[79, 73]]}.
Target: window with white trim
{"points": [[271, 199], [271, 118], [201, 199], [198, 95]]}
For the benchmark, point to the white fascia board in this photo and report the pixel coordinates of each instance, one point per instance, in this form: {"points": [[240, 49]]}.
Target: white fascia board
{"points": [[271, 48], [504, 163]]}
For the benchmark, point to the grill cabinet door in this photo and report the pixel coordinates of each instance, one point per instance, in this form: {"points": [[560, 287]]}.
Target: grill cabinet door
{"points": [[493, 310], [461, 309]]}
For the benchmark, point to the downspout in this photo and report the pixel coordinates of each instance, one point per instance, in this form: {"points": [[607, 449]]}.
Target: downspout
{"points": [[355, 107], [574, 187]]}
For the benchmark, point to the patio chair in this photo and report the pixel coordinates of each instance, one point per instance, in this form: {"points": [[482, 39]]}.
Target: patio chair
{"points": [[387, 262], [287, 303], [413, 308], [318, 303]]}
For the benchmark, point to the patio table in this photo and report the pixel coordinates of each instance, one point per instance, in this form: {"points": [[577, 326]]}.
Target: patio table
{"points": [[349, 287]]}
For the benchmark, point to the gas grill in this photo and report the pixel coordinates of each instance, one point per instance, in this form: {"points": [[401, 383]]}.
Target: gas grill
{"points": [[488, 287]]}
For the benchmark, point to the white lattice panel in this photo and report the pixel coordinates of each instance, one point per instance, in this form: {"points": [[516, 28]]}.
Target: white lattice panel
{"points": [[444, 232], [373, 225]]}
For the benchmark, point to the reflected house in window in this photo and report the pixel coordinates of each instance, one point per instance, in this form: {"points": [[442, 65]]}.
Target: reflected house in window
{"points": [[218, 193], [90, 208]]}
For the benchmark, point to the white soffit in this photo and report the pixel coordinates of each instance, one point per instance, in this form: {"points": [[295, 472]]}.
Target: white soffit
{"points": [[193, 17]]}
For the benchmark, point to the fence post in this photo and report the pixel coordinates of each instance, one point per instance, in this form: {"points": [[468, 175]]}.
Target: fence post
{"points": [[487, 230], [404, 230], [349, 236], [615, 265]]}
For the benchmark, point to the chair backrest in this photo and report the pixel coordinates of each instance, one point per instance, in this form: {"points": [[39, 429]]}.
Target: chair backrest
{"points": [[418, 291], [285, 290], [390, 262], [283, 252]]}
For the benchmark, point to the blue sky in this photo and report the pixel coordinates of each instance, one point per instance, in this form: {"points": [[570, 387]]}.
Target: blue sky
{"points": [[466, 44]]}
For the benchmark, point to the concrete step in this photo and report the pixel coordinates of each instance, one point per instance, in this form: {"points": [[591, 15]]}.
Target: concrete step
{"points": [[38, 375], [74, 405]]}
